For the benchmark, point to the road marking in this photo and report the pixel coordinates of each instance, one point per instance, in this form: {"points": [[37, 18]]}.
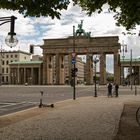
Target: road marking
{"points": [[6, 104], [15, 106]]}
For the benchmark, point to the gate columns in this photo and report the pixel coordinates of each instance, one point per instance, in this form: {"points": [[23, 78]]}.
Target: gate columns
{"points": [[89, 69], [102, 68]]}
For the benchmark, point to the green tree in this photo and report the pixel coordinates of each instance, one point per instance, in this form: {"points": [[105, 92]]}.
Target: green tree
{"points": [[110, 78], [127, 11], [36, 8]]}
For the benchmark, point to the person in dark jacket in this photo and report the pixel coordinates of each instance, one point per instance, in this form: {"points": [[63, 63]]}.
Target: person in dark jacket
{"points": [[116, 90], [109, 89]]}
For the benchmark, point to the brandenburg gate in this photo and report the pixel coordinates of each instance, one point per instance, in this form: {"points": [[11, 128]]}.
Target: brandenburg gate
{"points": [[88, 46], [82, 44]]}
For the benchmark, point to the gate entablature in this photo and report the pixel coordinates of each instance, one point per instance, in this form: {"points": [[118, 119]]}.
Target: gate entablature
{"points": [[83, 45]]}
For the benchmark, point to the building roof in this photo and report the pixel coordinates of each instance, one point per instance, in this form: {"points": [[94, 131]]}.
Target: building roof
{"points": [[128, 60], [25, 62], [18, 51]]}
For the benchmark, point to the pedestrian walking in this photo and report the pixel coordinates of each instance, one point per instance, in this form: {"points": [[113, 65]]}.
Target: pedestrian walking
{"points": [[116, 90], [109, 89]]}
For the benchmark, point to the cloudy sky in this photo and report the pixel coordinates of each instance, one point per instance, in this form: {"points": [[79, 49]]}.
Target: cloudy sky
{"points": [[34, 30]]}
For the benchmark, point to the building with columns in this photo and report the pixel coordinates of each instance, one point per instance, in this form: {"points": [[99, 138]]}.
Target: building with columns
{"points": [[133, 72], [29, 72], [88, 46], [8, 57]]}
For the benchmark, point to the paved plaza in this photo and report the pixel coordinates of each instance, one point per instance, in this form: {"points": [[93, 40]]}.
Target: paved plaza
{"points": [[86, 118]]}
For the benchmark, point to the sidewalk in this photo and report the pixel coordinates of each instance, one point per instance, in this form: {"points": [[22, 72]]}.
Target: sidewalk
{"points": [[128, 126], [86, 118]]}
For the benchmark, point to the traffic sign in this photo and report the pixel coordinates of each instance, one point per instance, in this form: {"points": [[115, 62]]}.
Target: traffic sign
{"points": [[73, 55], [73, 61]]}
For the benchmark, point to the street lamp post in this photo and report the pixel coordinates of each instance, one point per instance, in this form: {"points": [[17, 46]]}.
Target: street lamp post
{"points": [[135, 79], [123, 50], [131, 69], [96, 60], [18, 70], [74, 63], [11, 39]]}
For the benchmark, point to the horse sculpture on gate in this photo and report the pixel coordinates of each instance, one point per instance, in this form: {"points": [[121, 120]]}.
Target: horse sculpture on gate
{"points": [[81, 32]]}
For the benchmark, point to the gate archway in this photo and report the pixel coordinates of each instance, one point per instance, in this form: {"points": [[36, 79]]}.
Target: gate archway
{"points": [[58, 48]]}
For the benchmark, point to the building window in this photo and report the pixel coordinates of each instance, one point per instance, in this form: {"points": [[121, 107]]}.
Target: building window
{"points": [[6, 78], [2, 70], [7, 56], [2, 55], [15, 55], [3, 62], [2, 78], [11, 56], [7, 62], [6, 70], [25, 57]]}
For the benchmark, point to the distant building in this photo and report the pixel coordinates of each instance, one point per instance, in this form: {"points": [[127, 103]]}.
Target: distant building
{"points": [[30, 71], [80, 74], [8, 57], [79, 65], [36, 58], [26, 72]]}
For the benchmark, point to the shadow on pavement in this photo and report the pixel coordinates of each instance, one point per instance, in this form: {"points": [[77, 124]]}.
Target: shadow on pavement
{"points": [[128, 126]]}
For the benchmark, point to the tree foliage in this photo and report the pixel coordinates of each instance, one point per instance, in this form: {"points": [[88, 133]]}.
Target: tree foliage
{"points": [[127, 11], [36, 8]]}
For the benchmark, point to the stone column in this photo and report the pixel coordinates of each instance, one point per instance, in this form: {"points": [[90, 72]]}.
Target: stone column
{"points": [[62, 74], [70, 66], [89, 69], [31, 78], [60, 69], [19, 76], [102, 68], [57, 66], [39, 75], [50, 69], [116, 68], [16, 75], [11, 75], [44, 75], [24, 75]]}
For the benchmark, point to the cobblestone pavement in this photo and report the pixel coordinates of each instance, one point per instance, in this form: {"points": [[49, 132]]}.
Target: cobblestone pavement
{"points": [[86, 118]]}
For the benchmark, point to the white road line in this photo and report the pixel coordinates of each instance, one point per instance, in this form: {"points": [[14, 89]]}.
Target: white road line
{"points": [[7, 104], [11, 104]]}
